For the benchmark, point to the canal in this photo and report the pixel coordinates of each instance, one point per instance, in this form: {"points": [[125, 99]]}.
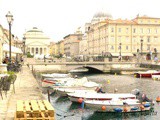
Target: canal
{"points": [[66, 110]]}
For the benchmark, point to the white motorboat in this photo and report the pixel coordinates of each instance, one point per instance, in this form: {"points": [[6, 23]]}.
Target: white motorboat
{"points": [[156, 77], [66, 91], [77, 84], [56, 75], [118, 105], [74, 97], [79, 70]]}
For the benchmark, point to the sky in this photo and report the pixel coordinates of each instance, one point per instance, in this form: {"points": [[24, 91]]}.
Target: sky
{"points": [[58, 18]]}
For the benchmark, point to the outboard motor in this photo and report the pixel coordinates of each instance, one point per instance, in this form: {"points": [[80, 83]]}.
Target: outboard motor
{"points": [[140, 96]]}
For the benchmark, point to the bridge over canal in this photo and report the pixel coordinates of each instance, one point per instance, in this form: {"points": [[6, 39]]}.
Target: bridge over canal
{"points": [[91, 66]]}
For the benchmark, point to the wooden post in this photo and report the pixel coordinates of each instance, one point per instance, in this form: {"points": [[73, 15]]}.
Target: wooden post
{"points": [[48, 95]]}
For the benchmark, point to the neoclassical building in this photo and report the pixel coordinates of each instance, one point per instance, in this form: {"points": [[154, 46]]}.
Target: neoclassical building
{"points": [[127, 37], [36, 42]]}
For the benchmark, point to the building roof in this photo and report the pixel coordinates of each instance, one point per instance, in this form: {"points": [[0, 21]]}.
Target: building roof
{"points": [[34, 29]]}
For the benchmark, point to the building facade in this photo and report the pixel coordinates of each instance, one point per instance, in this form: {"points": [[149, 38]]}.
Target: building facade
{"points": [[71, 44], [140, 35], [60, 48], [36, 42]]}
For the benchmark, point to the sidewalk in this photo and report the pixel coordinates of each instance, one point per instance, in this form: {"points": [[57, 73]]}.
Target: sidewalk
{"points": [[26, 88]]}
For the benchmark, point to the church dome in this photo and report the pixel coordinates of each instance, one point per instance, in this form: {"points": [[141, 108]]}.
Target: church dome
{"points": [[35, 29], [102, 15]]}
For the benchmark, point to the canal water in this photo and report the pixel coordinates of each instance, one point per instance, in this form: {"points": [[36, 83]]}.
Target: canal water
{"points": [[66, 110]]}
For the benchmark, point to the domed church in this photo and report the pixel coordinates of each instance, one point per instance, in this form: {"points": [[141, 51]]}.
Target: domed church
{"points": [[36, 42], [100, 16]]}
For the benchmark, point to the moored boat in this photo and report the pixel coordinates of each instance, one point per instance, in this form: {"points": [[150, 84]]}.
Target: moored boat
{"points": [[118, 105], [66, 91], [99, 96], [56, 75], [146, 74]]}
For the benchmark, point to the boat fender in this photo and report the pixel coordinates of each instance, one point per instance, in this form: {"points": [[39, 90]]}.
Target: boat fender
{"points": [[146, 105], [135, 108], [125, 109], [117, 109], [158, 99], [103, 107], [80, 100], [141, 107]]}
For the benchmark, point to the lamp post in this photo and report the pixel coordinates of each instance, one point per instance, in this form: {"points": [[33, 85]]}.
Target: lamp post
{"points": [[120, 54], [24, 40], [141, 47], [9, 17]]}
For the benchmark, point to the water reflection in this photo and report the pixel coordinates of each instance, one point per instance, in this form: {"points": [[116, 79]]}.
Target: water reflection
{"points": [[118, 116], [62, 99]]}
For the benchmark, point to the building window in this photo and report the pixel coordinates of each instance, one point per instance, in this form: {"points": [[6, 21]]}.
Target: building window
{"points": [[112, 47], [134, 30], [148, 30], [112, 29], [156, 31], [126, 47], [119, 30], [148, 47], [148, 39], [119, 38], [155, 39], [127, 30], [134, 39], [127, 39], [141, 30], [112, 39], [134, 47]]}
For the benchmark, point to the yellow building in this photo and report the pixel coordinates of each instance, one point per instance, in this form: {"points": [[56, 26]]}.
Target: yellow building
{"points": [[52, 49], [125, 37], [61, 47]]}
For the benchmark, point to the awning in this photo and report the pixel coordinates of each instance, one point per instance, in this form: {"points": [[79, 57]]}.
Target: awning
{"points": [[123, 54], [13, 49]]}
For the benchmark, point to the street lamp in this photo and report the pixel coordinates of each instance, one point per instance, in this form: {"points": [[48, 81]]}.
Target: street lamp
{"points": [[120, 54], [9, 17], [24, 40], [141, 47]]}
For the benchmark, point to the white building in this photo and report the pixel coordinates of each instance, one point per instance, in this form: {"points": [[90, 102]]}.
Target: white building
{"points": [[36, 42]]}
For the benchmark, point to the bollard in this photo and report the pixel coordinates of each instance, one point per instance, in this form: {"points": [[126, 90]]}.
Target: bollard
{"points": [[82, 105], [48, 95], [108, 81]]}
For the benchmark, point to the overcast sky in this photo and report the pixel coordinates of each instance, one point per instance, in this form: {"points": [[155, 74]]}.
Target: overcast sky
{"points": [[58, 18]]}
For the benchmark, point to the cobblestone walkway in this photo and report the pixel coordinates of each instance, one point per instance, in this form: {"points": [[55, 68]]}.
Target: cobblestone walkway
{"points": [[26, 88]]}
